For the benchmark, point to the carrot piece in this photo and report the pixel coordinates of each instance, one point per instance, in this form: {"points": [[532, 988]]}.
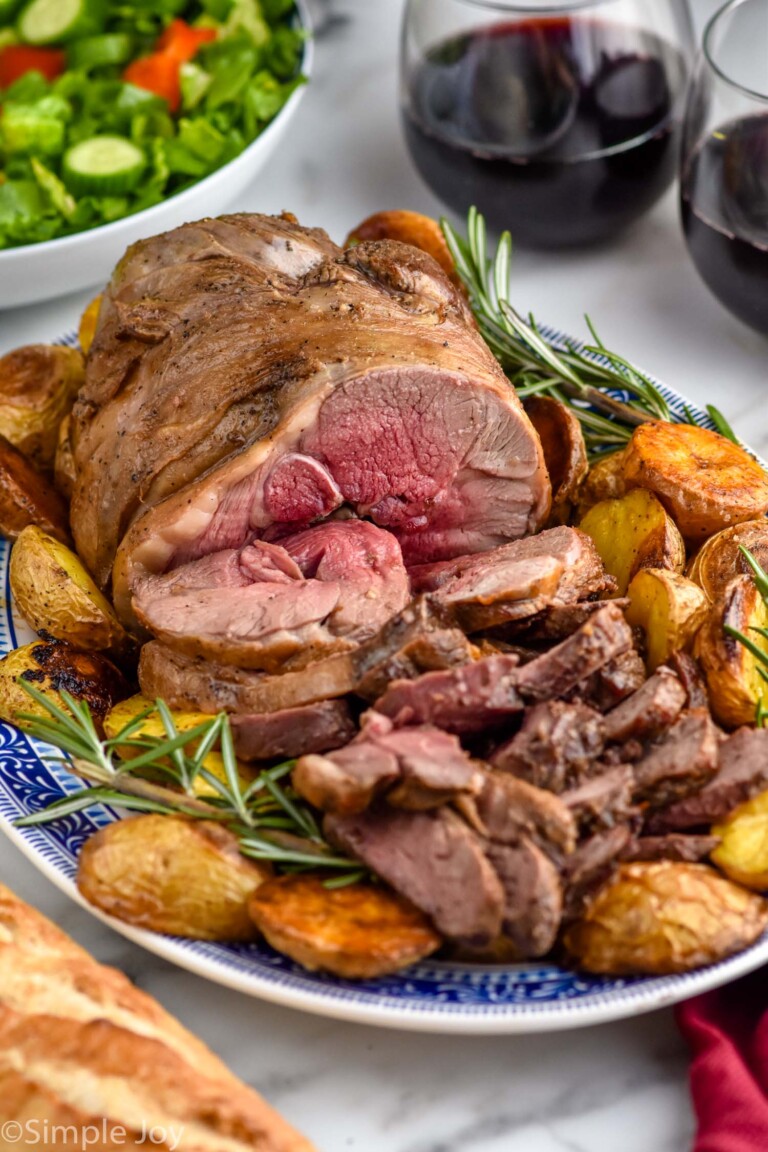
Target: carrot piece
{"points": [[18, 59]]}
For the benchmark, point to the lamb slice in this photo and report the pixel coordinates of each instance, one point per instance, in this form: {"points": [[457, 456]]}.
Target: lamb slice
{"points": [[555, 746], [686, 849], [603, 638], [688, 672], [293, 731], [419, 768], [517, 581], [593, 862], [433, 859], [533, 897], [603, 800], [649, 711], [324, 589], [614, 682], [742, 772], [554, 622], [504, 809], [681, 763]]}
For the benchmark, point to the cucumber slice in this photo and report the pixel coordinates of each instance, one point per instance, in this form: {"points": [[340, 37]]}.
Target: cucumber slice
{"points": [[100, 51], [54, 21], [103, 166]]}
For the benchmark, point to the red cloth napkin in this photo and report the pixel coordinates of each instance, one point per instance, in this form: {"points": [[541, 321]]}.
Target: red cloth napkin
{"points": [[728, 1034]]}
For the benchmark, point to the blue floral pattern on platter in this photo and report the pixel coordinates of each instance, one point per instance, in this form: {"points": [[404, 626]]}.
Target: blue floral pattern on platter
{"points": [[434, 995]]}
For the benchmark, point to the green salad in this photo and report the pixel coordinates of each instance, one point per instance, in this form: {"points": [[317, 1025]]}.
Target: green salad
{"points": [[110, 106]]}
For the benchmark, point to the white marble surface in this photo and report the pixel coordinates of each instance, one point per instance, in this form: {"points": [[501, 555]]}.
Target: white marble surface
{"points": [[619, 1086]]}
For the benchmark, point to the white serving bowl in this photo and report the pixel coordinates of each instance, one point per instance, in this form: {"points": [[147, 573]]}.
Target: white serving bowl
{"points": [[36, 272]]}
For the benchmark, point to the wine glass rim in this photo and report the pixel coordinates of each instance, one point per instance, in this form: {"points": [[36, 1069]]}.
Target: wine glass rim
{"points": [[709, 31]]}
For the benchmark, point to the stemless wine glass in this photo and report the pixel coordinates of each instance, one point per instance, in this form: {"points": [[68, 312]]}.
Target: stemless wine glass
{"points": [[724, 178], [560, 121]]}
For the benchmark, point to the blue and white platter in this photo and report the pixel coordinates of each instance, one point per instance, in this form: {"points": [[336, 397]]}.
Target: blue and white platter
{"points": [[433, 996]]}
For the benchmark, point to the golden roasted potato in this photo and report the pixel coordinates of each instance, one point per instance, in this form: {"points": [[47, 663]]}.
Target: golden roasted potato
{"points": [[743, 850], [634, 532], [660, 918], [174, 875], [127, 710], [53, 666], [720, 558], [55, 594], [734, 684], [565, 452], [64, 471], [38, 385], [409, 228], [669, 608], [358, 932], [26, 497], [88, 321], [705, 482], [604, 481]]}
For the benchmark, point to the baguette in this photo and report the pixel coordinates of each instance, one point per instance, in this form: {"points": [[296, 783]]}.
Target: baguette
{"points": [[80, 1046]]}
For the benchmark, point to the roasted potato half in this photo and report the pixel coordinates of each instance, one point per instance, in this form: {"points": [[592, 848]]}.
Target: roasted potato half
{"points": [[174, 875], [720, 558], [705, 482], [26, 497], [38, 385], [358, 932], [53, 666], [565, 452], [669, 608], [660, 918], [734, 683], [127, 710], [56, 594], [409, 228], [743, 849], [604, 481], [88, 322], [634, 532]]}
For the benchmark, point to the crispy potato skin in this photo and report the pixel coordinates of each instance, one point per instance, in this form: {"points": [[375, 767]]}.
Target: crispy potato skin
{"points": [[634, 532], [88, 322], [26, 497], [53, 666], [743, 851], [409, 228], [604, 481], [169, 874], [719, 559], [358, 932], [565, 452], [734, 685], [64, 471], [56, 594], [662, 918], [704, 481], [669, 608], [38, 385], [126, 710]]}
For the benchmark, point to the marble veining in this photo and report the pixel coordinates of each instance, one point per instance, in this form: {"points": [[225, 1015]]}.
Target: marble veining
{"points": [[355, 1088]]}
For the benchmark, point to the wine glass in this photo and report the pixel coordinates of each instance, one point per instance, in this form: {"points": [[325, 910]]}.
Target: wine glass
{"points": [[560, 121], [724, 176]]}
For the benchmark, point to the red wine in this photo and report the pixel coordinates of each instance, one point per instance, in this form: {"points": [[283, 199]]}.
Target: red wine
{"points": [[724, 197], [563, 130]]}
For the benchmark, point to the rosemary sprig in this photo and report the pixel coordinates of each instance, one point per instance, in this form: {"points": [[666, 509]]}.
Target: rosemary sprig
{"points": [[269, 819], [759, 652], [535, 364]]}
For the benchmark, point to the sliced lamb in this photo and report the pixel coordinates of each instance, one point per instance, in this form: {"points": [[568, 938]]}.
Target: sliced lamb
{"points": [[603, 800], [419, 768], [649, 711], [742, 772], [533, 897], [614, 682], [691, 677], [593, 862], [325, 589], [686, 849], [294, 731], [433, 859], [246, 372], [555, 622], [603, 638], [557, 567], [681, 763], [555, 745], [504, 809]]}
